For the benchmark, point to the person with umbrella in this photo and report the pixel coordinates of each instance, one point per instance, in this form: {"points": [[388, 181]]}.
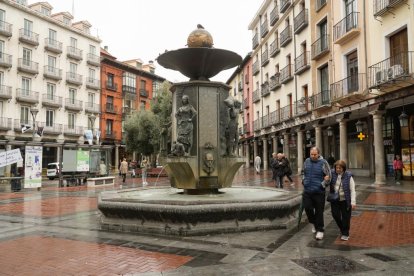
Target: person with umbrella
{"points": [[316, 178]]}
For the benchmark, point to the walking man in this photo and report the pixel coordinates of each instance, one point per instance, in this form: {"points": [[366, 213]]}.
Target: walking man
{"points": [[257, 163], [123, 169], [316, 177]]}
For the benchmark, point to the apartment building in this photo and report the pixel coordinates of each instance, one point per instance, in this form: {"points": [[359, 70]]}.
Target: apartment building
{"points": [[127, 87], [337, 75], [49, 77]]}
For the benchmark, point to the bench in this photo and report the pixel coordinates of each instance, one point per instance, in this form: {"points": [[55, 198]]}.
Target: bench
{"points": [[152, 172], [73, 179], [99, 181]]}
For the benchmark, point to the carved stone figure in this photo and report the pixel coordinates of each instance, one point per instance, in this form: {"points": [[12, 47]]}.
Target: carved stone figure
{"points": [[177, 149], [232, 136], [185, 115]]}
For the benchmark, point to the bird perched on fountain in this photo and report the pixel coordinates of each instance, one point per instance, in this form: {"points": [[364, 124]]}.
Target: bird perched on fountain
{"points": [[200, 38]]}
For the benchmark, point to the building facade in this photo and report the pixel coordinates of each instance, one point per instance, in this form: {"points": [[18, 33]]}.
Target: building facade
{"points": [[49, 77], [336, 75]]}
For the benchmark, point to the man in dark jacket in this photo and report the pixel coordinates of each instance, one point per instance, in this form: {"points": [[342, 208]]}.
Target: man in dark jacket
{"points": [[316, 177], [279, 165]]}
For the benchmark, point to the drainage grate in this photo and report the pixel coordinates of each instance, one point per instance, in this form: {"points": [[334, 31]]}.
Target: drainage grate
{"points": [[381, 257], [331, 265]]}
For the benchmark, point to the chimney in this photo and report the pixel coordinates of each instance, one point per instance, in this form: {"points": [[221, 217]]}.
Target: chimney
{"points": [[106, 48]]}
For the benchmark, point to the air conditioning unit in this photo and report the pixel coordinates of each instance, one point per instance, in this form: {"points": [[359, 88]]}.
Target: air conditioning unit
{"points": [[394, 71], [379, 77]]}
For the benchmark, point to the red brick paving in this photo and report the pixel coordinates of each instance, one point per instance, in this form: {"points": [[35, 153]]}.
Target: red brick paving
{"points": [[393, 199], [4, 196], [381, 229], [37, 255], [50, 207]]}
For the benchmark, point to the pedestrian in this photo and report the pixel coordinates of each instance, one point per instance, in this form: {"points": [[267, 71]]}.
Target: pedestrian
{"points": [[342, 183], [316, 176], [398, 167], [278, 166], [123, 168], [288, 169], [144, 171], [257, 163], [102, 168]]}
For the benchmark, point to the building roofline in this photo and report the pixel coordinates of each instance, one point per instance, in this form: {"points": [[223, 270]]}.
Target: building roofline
{"points": [[240, 67]]}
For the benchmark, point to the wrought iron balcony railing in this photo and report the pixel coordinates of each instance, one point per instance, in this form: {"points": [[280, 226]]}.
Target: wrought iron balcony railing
{"points": [[27, 66], [256, 68], [52, 100], [28, 37], [27, 96], [93, 59], [5, 60], [286, 36], [92, 107], [74, 53], [322, 99], [52, 72], [5, 28], [320, 47], [74, 78], [300, 21], [286, 74], [274, 15], [274, 47], [265, 58], [264, 29], [275, 81], [284, 5], [53, 45], [5, 92], [72, 104], [302, 63], [351, 84], [255, 41], [381, 7], [346, 29]]}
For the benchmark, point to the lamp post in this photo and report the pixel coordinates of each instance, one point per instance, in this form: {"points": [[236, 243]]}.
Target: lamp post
{"points": [[359, 126], [403, 118], [92, 119], [34, 112]]}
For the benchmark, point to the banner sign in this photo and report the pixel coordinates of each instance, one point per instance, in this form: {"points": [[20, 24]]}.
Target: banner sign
{"points": [[33, 167], [10, 157]]}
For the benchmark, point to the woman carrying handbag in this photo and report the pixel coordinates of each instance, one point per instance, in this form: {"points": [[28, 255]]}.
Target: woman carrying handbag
{"points": [[342, 197]]}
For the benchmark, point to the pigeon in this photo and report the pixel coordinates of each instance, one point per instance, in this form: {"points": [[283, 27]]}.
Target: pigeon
{"points": [[199, 26]]}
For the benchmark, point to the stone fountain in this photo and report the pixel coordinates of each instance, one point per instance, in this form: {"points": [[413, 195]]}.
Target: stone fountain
{"points": [[203, 161]]}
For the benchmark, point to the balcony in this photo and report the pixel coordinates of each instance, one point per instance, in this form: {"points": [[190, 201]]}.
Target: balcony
{"points": [[264, 29], [274, 47], [51, 100], [51, 128], [274, 117], [74, 53], [346, 29], [18, 123], [93, 60], [128, 89], [286, 36], [73, 78], [53, 46], [27, 66], [266, 121], [28, 37], [349, 90], [302, 106], [256, 95], [241, 131], [246, 79], [275, 82], [320, 47], [27, 96], [92, 83], [72, 130], [5, 123], [319, 5], [92, 107], [246, 103], [265, 58], [302, 63], [286, 113], [126, 111], [265, 89], [73, 105], [381, 7], [393, 73], [143, 93], [257, 125], [5, 60], [110, 135], [111, 86], [274, 15], [284, 5], [111, 108], [240, 86], [5, 92], [321, 100], [300, 21], [246, 128], [6, 29], [286, 74], [53, 73], [256, 68], [255, 41]]}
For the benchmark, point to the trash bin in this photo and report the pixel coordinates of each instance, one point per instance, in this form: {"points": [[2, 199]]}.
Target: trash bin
{"points": [[16, 184]]}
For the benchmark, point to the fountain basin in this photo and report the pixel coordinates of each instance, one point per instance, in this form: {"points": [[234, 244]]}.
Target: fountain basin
{"points": [[168, 211]]}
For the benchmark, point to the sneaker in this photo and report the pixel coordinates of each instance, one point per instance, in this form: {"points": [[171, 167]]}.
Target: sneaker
{"points": [[319, 235], [313, 230], [344, 238]]}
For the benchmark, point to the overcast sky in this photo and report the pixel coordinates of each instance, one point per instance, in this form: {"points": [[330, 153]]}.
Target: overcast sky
{"points": [[145, 28]]}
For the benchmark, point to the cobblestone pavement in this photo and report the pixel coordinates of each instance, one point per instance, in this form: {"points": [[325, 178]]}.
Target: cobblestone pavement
{"points": [[55, 231]]}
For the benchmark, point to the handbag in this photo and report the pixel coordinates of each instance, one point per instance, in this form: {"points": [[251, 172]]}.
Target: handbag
{"points": [[334, 196]]}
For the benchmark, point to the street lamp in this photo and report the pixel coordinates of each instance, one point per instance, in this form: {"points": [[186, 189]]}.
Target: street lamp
{"points": [[308, 134], [403, 118], [330, 131], [34, 112], [359, 126], [92, 119]]}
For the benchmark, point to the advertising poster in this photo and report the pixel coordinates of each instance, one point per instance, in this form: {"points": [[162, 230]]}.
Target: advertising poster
{"points": [[82, 164], [33, 167], [89, 136], [407, 157]]}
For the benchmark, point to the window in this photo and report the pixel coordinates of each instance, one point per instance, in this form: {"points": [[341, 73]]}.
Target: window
{"points": [[27, 56], [51, 62], [1, 109], [91, 74], [1, 79], [66, 21], [111, 81], [323, 32], [71, 120], [52, 37], [50, 115], [352, 70], [324, 84], [51, 91], [142, 105], [108, 129], [22, 2], [143, 84], [26, 86], [45, 11], [73, 42], [2, 16], [73, 68], [91, 99], [24, 114], [72, 95], [129, 79], [110, 103], [1, 48], [92, 49], [28, 28]]}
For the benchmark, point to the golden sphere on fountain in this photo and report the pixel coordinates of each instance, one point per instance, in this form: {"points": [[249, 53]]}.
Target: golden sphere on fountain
{"points": [[200, 38]]}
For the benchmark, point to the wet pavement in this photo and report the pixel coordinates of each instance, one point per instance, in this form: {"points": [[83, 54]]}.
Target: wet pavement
{"points": [[56, 231]]}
